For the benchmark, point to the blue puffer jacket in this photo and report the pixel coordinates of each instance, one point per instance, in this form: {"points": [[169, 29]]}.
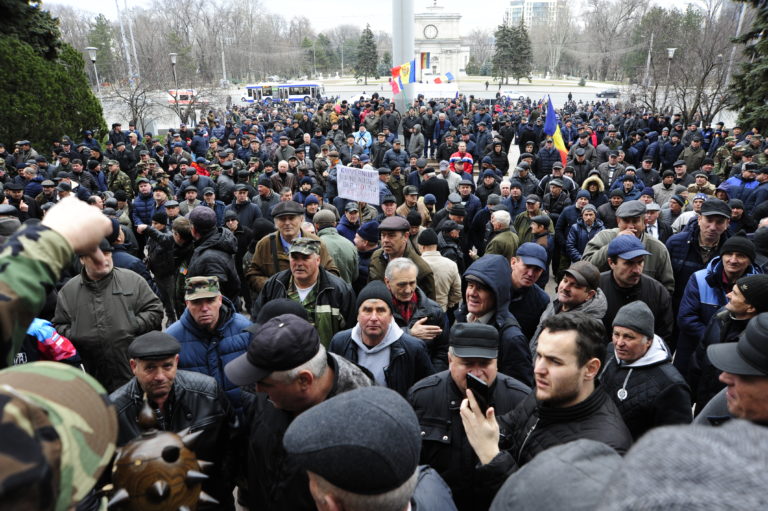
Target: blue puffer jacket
{"points": [[143, 209], [685, 259], [578, 237], [208, 352], [704, 295], [514, 356]]}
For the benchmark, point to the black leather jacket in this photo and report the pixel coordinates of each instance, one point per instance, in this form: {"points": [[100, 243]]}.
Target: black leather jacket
{"points": [[198, 403], [436, 400]]}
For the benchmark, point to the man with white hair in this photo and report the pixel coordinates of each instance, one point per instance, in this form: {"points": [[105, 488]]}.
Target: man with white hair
{"points": [[503, 242]]}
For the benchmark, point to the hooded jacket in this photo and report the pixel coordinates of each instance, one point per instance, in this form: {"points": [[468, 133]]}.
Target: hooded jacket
{"points": [[208, 352], [595, 307], [684, 255], [399, 361], [214, 256], [597, 198], [704, 295], [655, 394], [514, 358]]}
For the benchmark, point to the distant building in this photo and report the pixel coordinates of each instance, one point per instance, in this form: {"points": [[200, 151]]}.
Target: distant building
{"points": [[438, 33], [534, 12]]}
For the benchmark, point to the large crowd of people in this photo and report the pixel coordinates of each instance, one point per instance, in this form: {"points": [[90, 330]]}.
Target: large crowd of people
{"points": [[436, 349]]}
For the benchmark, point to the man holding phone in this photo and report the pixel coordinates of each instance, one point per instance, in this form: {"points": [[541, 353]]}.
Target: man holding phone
{"points": [[567, 404], [472, 362]]}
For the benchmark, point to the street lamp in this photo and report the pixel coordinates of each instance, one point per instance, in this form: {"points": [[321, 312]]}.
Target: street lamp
{"points": [[92, 55], [175, 80], [670, 56]]}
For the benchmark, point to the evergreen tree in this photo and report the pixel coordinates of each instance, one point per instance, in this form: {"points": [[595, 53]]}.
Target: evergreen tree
{"points": [[48, 93], [324, 54], [523, 54], [308, 61], [472, 68], [385, 65], [504, 52], [367, 57], [101, 37], [749, 88]]}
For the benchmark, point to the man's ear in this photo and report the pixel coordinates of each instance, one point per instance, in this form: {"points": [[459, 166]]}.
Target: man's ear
{"points": [[593, 368]]}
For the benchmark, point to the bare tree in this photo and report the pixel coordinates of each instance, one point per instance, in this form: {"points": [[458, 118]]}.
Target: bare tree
{"points": [[480, 41], [607, 25]]}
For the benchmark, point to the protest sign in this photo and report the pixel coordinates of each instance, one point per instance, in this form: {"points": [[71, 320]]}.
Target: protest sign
{"points": [[358, 184]]}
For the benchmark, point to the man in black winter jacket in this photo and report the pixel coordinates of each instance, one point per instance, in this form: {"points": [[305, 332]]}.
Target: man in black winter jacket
{"points": [[474, 348], [292, 372], [395, 359], [179, 400], [214, 255], [566, 404], [639, 376]]}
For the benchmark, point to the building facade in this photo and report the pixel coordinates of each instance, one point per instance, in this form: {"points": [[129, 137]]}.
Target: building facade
{"points": [[438, 33], [533, 12]]}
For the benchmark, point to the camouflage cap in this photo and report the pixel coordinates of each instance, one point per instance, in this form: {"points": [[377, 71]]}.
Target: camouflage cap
{"points": [[201, 287], [306, 246], [113, 162], [730, 139], [40, 468]]}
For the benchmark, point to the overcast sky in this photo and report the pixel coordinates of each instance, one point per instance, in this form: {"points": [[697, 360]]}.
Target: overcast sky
{"points": [[377, 13]]}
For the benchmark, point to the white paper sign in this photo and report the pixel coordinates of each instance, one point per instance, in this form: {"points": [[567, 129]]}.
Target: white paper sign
{"points": [[358, 184]]}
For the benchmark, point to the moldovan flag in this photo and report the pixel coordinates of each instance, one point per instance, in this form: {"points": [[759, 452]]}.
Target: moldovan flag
{"points": [[408, 72], [552, 129], [396, 78]]}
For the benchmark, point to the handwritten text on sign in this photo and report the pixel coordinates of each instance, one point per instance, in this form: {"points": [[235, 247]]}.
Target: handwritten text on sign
{"points": [[358, 184]]}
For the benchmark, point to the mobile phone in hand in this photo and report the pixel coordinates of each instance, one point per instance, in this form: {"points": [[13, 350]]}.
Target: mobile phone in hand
{"points": [[480, 390]]}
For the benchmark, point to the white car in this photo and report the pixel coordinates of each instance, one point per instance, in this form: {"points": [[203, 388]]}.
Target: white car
{"points": [[513, 94]]}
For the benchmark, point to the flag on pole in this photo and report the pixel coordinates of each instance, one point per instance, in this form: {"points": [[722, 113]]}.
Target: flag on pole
{"points": [[408, 72], [439, 79], [449, 76], [552, 129], [395, 86], [425, 60]]}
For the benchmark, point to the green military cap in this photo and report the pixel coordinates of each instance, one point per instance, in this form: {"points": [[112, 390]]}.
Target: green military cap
{"points": [[113, 162], [254, 159], [306, 246], [141, 164], [59, 433], [730, 139], [757, 137], [201, 287], [739, 148]]}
